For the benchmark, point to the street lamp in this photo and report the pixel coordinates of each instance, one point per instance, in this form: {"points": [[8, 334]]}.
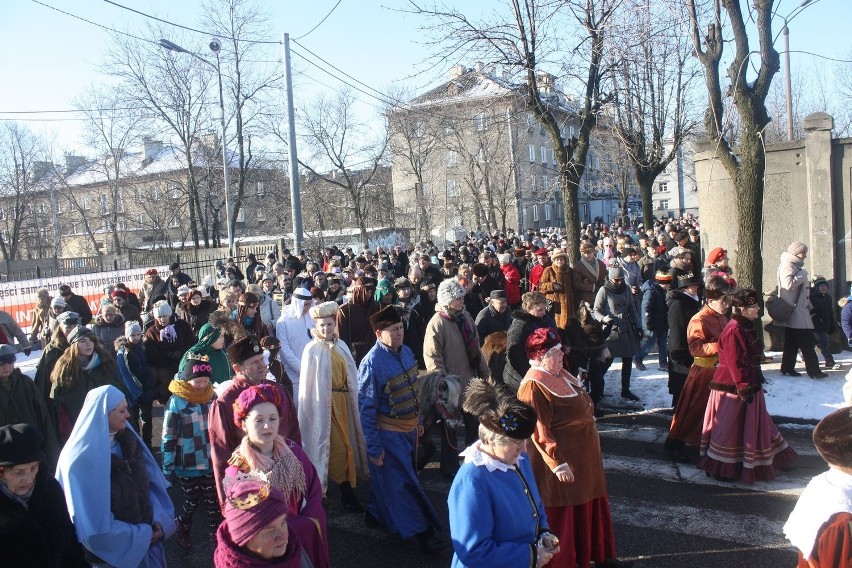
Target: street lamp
{"points": [[788, 83], [215, 46]]}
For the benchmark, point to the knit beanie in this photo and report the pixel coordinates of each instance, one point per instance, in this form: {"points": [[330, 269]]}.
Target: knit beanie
{"points": [[197, 365], [797, 247], [614, 272], [250, 507], [132, 327], [448, 291], [162, 308]]}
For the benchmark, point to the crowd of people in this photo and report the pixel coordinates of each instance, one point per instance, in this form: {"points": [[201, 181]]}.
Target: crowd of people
{"points": [[290, 379]]}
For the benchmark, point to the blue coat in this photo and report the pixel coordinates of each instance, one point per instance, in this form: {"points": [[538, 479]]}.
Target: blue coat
{"points": [[493, 522], [655, 311]]}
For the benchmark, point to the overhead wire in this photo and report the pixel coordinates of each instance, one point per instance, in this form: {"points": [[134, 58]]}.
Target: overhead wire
{"points": [[333, 8], [107, 28]]}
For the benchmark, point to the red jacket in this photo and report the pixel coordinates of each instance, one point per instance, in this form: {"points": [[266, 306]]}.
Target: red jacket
{"points": [[513, 283], [739, 352]]}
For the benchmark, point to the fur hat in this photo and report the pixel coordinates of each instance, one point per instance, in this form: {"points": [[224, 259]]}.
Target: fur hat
{"points": [[68, 318], [716, 286], [253, 396], [184, 289], [20, 444], [162, 309], [401, 283], [450, 290], [833, 437], [243, 348], [324, 310], [385, 317], [498, 410], [744, 297], [797, 247], [480, 269], [558, 253], [131, 327], [540, 342], [251, 506]]}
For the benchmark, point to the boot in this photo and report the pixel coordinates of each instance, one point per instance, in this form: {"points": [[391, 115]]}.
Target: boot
{"points": [[184, 534], [429, 542], [349, 499]]}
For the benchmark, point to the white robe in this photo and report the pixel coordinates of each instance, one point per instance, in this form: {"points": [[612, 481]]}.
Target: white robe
{"points": [[315, 407], [294, 335]]}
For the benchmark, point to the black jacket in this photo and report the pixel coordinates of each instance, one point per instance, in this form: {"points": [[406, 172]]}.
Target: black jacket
{"points": [[822, 312], [75, 303], [681, 310], [517, 362], [42, 535], [655, 311], [489, 321]]}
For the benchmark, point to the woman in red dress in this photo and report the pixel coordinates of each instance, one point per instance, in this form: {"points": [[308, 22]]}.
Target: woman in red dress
{"points": [[739, 440]]}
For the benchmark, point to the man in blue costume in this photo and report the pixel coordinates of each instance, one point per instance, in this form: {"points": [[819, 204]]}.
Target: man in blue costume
{"points": [[387, 401]]}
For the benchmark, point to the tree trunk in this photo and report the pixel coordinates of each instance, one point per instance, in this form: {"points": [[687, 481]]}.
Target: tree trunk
{"points": [[646, 186], [749, 184], [571, 207]]}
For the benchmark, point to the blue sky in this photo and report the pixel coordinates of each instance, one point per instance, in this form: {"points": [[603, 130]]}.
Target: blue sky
{"points": [[50, 57]]}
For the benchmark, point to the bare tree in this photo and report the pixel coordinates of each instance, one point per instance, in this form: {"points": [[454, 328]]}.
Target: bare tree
{"points": [[522, 37], [337, 144], [652, 81], [20, 170], [746, 163], [174, 90]]}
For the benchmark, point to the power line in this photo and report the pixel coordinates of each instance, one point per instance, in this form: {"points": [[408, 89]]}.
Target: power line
{"points": [[109, 29], [320, 22], [820, 56], [294, 52]]}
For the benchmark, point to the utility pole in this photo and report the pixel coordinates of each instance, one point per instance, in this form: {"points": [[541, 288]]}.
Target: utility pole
{"points": [[788, 87], [295, 197]]}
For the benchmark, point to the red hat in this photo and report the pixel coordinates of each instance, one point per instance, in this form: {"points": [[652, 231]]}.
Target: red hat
{"points": [[541, 252], [118, 293], [541, 341], [152, 272], [715, 255], [252, 396], [250, 507]]}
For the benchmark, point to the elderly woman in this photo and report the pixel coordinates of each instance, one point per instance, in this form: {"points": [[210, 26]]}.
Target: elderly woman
{"points": [[35, 529], [288, 468], [109, 326], [567, 459], [497, 518], [115, 491], [331, 433], [739, 440], [702, 336], [532, 315], [614, 306], [255, 532], [557, 285], [85, 365], [451, 346], [795, 289]]}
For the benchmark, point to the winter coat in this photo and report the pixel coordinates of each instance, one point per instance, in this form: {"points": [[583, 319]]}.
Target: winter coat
{"points": [[164, 354], [415, 329], [513, 284], [40, 326], [846, 319], [149, 292], [42, 534], [131, 312], [25, 405], [353, 325], [51, 354], [68, 399], [587, 341], [795, 289], [129, 499], [681, 310], [632, 273], [616, 302], [586, 285], [269, 311], [195, 316], [185, 444], [517, 362], [489, 321], [822, 312], [558, 287], [13, 331], [655, 311], [738, 371], [136, 361], [444, 350], [648, 266], [107, 333], [79, 304]]}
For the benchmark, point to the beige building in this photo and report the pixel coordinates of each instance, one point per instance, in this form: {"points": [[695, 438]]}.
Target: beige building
{"points": [[675, 190], [468, 155]]}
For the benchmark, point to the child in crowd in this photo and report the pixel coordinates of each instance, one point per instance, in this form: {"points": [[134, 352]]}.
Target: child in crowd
{"points": [[825, 323], [138, 379], [186, 445]]}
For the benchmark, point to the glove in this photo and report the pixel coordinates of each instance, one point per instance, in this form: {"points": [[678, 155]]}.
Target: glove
{"points": [[27, 351], [639, 333], [610, 319], [745, 394]]}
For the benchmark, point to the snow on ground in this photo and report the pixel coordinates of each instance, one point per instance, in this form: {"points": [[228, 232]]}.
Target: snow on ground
{"points": [[788, 397]]}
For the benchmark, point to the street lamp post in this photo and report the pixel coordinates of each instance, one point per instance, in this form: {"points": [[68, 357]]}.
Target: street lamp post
{"points": [[215, 47], [788, 86]]}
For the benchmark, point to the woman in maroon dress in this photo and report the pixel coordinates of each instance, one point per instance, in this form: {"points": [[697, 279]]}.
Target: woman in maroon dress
{"points": [[739, 439]]}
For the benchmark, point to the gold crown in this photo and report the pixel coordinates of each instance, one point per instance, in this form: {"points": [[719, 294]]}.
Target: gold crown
{"points": [[251, 499]]}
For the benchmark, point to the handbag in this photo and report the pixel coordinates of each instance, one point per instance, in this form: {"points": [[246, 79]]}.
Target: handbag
{"points": [[779, 309]]}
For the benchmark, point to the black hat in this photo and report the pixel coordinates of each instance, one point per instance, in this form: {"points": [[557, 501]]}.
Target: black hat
{"points": [[480, 269], [401, 283], [498, 410], [174, 266], [744, 297], [687, 279], [244, 348], [833, 437], [197, 365], [64, 290], [19, 444], [497, 295], [682, 236], [383, 318]]}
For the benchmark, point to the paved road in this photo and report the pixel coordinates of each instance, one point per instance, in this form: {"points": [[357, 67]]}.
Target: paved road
{"points": [[665, 514]]}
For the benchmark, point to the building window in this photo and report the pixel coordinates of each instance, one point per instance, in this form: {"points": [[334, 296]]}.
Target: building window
{"points": [[544, 183], [419, 129], [137, 194], [543, 155], [664, 204], [662, 186], [547, 211], [261, 216], [85, 204], [530, 121], [479, 121], [452, 188], [261, 189], [155, 195], [174, 190], [535, 213], [452, 158], [532, 154], [241, 216], [104, 205], [532, 183]]}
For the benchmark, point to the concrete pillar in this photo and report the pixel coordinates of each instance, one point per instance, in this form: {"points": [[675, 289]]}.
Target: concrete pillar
{"points": [[818, 127]]}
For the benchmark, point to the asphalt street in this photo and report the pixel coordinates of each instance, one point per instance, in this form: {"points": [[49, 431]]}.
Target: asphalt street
{"points": [[665, 514]]}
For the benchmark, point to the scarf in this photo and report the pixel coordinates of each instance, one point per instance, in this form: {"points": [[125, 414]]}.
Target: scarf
{"points": [[593, 267], [22, 500], [93, 363], [168, 334], [825, 495], [474, 355], [192, 395], [283, 469]]}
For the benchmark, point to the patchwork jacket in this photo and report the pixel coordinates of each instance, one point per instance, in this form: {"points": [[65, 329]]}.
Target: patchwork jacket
{"points": [[186, 444]]}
